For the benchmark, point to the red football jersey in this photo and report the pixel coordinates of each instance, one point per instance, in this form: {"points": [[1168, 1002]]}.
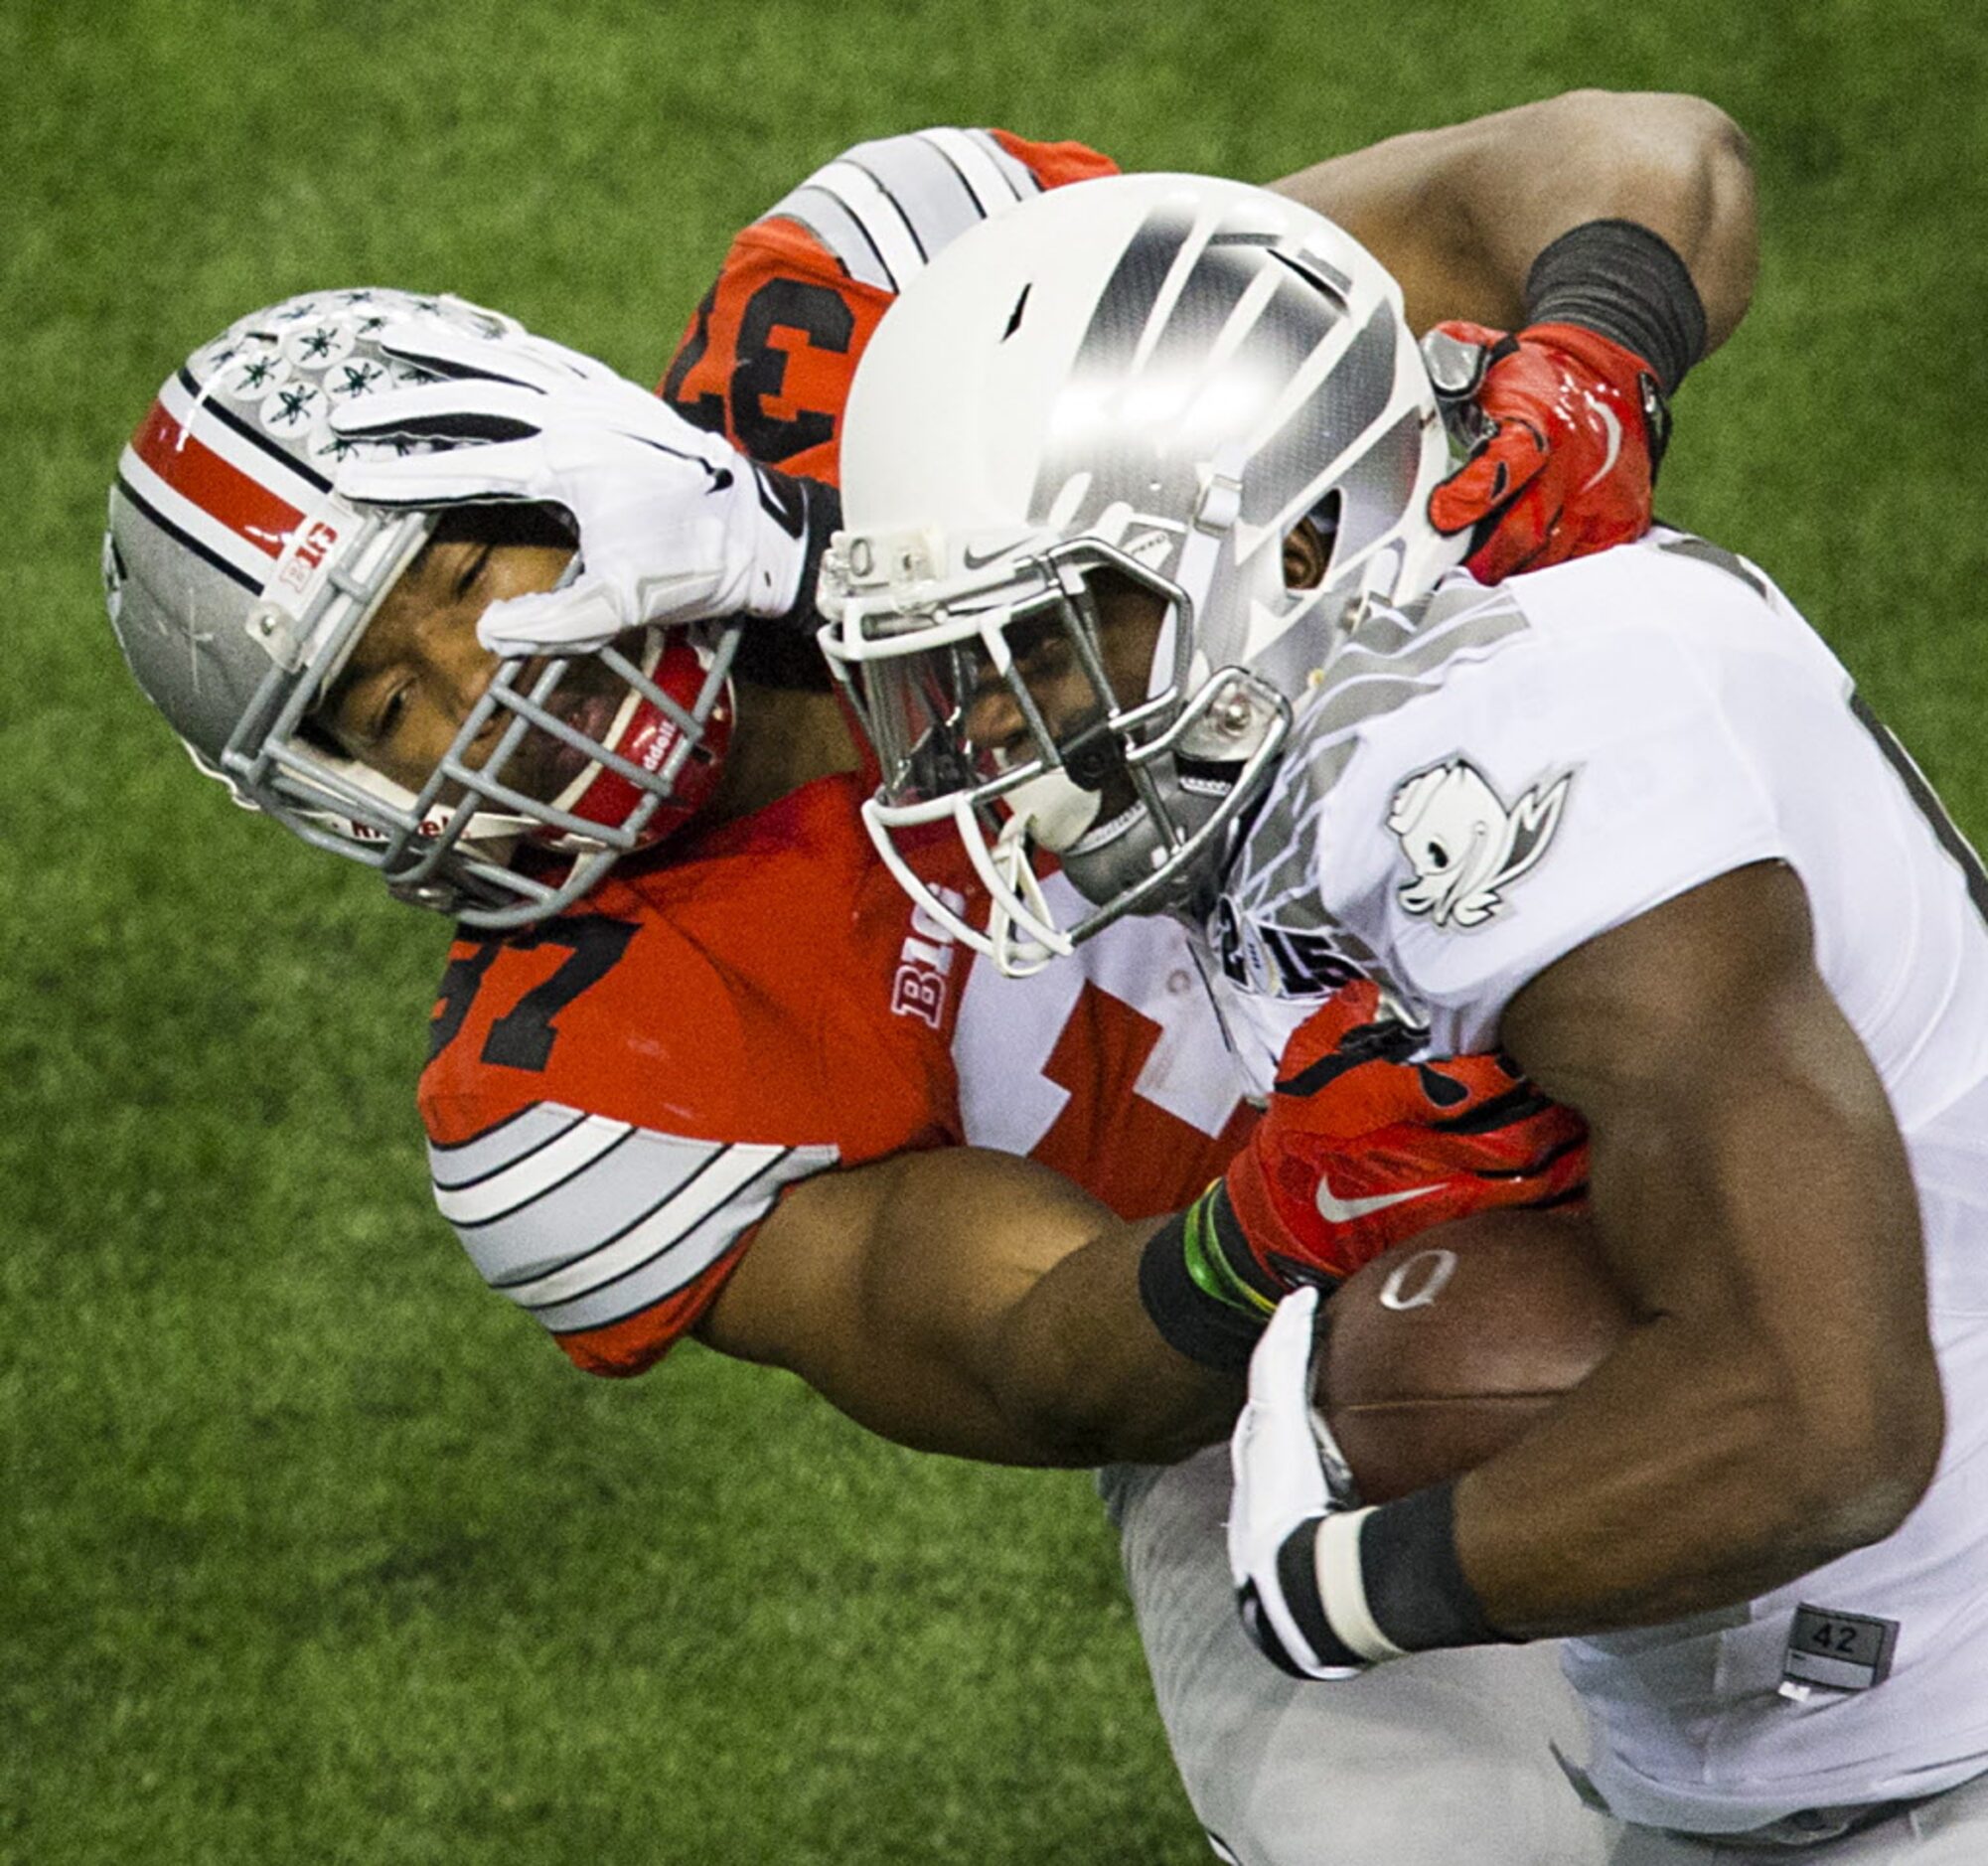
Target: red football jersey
{"points": [[770, 351], [616, 1097]]}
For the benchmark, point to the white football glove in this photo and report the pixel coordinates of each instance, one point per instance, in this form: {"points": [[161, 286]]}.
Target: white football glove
{"points": [[675, 524], [1288, 1473]]}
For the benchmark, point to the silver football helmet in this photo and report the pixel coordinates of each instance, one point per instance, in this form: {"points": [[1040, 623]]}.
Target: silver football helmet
{"points": [[1143, 382], [238, 582]]}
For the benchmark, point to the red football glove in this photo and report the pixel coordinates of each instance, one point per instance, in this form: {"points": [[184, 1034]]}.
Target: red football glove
{"points": [[1567, 420], [1360, 1149]]}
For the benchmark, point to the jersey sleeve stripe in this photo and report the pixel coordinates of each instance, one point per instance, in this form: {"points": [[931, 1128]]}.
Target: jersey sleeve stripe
{"points": [[992, 176], [896, 200], [642, 1287], [883, 222], [925, 185], [708, 1190], [970, 203], [883, 208], [500, 1193], [824, 215], [462, 1164], [664, 1253], [590, 1210], [531, 1111], [690, 1257], [977, 207], [1017, 174]]}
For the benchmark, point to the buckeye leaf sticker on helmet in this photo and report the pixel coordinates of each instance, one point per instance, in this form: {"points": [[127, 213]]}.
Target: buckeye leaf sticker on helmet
{"points": [[241, 584]]}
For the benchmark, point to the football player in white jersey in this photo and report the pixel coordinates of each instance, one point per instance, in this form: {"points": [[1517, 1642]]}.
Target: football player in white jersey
{"points": [[624, 1206], [1155, 593]]}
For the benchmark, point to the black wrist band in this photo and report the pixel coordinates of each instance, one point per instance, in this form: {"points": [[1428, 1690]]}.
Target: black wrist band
{"points": [[1201, 1287], [1624, 283], [1298, 1577], [1415, 1587]]}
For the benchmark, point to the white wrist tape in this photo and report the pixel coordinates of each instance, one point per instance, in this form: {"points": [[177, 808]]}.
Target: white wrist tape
{"points": [[1342, 1588]]}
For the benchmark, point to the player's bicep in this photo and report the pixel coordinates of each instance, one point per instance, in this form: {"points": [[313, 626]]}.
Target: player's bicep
{"points": [[1715, 983], [1746, 1163], [1394, 199], [1459, 214]]}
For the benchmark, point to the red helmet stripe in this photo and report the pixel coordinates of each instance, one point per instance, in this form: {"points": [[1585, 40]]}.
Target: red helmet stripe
{"points": [[217, 487]]}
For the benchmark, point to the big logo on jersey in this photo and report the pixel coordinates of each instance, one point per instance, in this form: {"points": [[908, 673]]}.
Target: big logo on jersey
{"points": [[1465, 843], [925, 961]]}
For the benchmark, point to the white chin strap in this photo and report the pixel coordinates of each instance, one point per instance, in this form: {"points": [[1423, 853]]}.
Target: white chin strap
{"points": [[1054, 810], [1048, 811], [1018, 952]]}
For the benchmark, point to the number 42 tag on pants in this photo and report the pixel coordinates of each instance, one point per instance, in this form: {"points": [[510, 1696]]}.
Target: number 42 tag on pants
{"points": [[1836, 1651]]}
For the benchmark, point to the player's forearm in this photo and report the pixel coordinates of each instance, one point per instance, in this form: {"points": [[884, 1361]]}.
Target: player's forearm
{"points": [[970, 1303], [1777, 1409], [1077, 1361], [1458, 215], [1042, 1324]]}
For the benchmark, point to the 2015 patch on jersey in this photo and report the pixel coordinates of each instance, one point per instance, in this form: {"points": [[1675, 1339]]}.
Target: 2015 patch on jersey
{"points": [[1282, 962], [1465, 843]]}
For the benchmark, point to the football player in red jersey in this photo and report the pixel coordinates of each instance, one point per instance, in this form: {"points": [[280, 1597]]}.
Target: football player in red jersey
{"points": [[640, 1080]]}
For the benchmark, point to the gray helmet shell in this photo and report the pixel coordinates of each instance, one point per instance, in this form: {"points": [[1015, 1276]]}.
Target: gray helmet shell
{"points": [[238, 582]]}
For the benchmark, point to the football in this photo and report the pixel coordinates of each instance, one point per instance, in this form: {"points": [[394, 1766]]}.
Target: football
{"points": [[1443, 1350]]}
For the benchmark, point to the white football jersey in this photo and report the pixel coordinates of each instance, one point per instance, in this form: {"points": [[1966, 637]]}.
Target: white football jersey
{"points": [[1477, 788]]}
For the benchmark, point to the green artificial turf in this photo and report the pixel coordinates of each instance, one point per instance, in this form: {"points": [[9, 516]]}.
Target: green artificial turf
{"points": [[310, 1549]]}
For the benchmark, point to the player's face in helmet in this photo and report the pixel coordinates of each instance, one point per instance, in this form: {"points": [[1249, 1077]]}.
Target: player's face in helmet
{"points": [[1148, 382], [1131, 622], [409, 702], [419, 670], [1067, 699]]}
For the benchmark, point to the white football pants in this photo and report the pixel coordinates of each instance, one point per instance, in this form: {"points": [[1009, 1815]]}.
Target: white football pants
{"points": [[1950, 1829], [1439, 1759]]}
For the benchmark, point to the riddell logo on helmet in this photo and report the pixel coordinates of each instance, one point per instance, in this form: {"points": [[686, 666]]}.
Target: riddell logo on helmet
{"points": [[658, 747], [371, 833], [309, 555]]}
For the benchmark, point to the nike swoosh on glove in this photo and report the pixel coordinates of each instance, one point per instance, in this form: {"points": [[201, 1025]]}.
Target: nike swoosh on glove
{"points": [[675, 524], [1362, 1148], [1567, 429]]}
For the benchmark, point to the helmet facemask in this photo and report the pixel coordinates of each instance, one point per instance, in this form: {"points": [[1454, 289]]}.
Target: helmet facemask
{"points": [[1133, 778], [636, 731]]}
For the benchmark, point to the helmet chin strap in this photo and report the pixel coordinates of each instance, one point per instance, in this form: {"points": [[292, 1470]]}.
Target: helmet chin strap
{"points": [[1018, 955], [1052, 811]]}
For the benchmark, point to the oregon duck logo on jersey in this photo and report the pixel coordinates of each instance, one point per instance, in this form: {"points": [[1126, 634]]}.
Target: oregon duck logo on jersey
{"points": [[1465, 843]]}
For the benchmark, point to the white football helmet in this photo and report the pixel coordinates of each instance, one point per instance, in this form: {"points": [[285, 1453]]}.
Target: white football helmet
{"points": [[1154, 377], [238, 582]]}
